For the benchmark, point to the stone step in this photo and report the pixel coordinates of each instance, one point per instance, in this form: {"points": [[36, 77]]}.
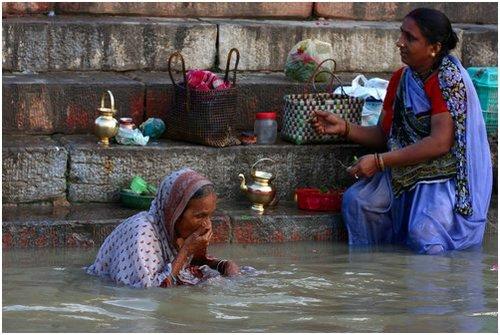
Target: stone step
{"points": [[72, 43], [76, 168], [43, 169], [471, 12], [67, 102], [88, 225], [358, 46], [465, 12], [34, 169], [191, 9], [75, 43]]}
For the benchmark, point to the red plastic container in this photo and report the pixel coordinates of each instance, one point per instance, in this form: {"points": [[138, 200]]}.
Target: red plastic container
{"points": [[313, 200]]}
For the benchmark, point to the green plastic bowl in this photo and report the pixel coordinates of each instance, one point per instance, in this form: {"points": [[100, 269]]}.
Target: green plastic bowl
{"points": [[136, 201]]}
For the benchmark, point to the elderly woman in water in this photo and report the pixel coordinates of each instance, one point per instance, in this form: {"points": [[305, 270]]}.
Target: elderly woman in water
{"points": [[167, 245], [429, 184]]}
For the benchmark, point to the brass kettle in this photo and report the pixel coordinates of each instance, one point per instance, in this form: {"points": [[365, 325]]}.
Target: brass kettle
{"points": [[106, 126], [260, 191]]}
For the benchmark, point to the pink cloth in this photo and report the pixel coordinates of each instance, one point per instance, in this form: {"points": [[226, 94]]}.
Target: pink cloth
{"points": [[202, 80]]}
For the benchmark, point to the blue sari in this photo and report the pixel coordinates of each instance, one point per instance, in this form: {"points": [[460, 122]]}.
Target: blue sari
{"points": [[437, 214]]}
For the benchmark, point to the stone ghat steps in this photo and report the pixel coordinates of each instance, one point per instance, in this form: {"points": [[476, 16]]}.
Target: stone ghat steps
{"points": [[120, 43], [87, 225], [76, 168], [471, 12], [67, 102]]}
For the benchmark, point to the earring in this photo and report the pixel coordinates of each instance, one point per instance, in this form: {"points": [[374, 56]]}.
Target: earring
{"points": [[433, 54]]}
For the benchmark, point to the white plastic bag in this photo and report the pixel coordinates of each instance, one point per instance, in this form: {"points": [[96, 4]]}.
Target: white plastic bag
{"points": [[373, 91], [305, 57], [131, 137]]}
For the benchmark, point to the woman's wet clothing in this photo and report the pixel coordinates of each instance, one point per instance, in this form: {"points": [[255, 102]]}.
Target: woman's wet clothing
{"points": [[436, 205], [140, 251]]}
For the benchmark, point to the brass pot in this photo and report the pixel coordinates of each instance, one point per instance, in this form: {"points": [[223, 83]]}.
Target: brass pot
{"points": [[106, 126], [260, 191]]}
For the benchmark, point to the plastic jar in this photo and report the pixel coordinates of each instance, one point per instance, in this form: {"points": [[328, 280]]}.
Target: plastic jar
{"points": [[265, 127]]}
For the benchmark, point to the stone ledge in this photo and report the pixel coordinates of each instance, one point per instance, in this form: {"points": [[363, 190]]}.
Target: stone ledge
{"points": [[358, 46], [26, 8], [191, 9], [88, 225], [64, 43], [97, 174], [33, 169], [65, 102], [472, 12]]}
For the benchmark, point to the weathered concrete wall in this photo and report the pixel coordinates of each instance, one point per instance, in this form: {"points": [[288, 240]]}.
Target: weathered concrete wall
{"points": [[26, 8], [97, 174], [479, 46], [357, 46], [464, 12], [65, 102], [104, 43], [33, 169], [191, 9]]}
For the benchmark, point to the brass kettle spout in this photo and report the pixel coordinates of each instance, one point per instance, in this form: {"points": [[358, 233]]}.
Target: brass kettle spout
{"points": [[243, 185]]}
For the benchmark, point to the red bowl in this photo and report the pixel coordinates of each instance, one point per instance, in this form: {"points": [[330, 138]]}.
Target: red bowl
{"points": [[313, 200]]}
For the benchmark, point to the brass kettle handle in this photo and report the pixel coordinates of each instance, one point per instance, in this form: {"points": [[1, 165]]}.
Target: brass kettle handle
{"points": [[262, 160], [111, 100]]}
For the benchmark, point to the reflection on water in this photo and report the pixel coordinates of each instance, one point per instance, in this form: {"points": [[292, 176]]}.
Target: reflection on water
{"points": [[296, 287]]}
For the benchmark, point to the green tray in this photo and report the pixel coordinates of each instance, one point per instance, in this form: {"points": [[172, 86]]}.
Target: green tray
{"points": [[133, 200]]}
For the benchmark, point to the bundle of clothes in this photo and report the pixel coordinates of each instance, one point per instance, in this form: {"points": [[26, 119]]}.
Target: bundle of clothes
{"points": [[202, 80]]}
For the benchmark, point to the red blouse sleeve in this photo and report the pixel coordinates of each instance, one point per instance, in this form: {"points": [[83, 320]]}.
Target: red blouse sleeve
{"points": [[389, 101], [431, 87]]}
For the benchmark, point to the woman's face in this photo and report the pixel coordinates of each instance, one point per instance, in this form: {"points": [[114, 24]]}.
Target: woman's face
{"points": [[198, 213], [414, 48]]}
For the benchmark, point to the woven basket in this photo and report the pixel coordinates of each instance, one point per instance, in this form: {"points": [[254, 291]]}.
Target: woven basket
{"points": [[204, 117], [298, 109]]}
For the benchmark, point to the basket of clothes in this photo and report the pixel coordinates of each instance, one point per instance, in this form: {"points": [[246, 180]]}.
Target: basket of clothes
{"points": [[299, 108], [204, 107]]}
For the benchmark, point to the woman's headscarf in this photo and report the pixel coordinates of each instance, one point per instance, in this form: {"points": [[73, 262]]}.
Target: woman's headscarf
{"points": [[139, 252]]}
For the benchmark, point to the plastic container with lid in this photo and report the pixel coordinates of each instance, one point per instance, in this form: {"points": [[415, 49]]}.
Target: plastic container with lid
{"points": [[265, 127]]}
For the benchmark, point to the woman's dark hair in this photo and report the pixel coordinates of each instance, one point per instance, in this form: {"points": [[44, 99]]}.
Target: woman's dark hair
{"points": [[436, 27], [204, 191]]}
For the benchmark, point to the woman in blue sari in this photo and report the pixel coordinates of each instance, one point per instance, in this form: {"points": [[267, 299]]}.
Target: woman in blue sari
{"points": [[429, 184]]}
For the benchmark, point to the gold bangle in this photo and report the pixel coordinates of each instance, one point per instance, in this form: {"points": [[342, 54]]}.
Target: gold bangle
{"points": [[377, 162], [347, 128], [381, 162]]}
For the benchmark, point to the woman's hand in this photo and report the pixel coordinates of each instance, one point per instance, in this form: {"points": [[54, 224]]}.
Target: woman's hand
{"points": [[325, 123], [364, 167], [231, 269], [197, 242]]}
